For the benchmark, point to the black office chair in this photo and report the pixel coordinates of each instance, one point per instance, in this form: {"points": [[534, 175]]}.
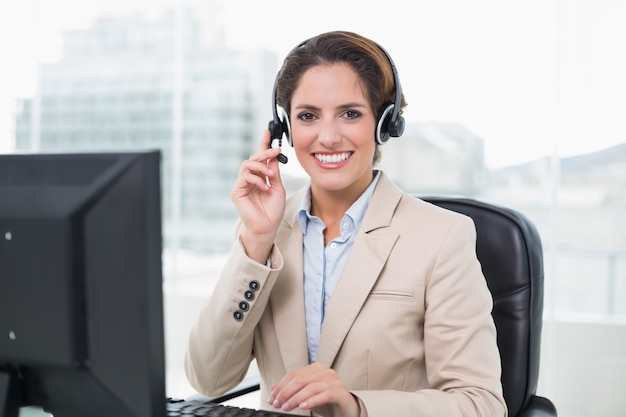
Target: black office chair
{"points": [[510, 252]]}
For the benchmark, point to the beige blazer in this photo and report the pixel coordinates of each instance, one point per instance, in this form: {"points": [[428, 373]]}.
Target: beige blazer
{"points": [[408, 328]]}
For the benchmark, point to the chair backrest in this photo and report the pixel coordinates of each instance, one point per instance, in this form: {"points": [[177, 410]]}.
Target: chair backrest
{"points": [[510, 252]]}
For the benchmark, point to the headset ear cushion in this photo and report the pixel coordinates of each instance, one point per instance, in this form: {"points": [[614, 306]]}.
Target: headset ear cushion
{"points": [[387, 127], [280, 125], [396, 128], [382, 127], [286, 126], [275, 128]]}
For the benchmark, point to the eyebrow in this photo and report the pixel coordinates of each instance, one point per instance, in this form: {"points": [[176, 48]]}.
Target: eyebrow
{"points": [[345, 106]]}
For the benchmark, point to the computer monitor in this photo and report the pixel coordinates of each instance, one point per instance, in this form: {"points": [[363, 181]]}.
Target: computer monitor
{"points": [[81, 304]]}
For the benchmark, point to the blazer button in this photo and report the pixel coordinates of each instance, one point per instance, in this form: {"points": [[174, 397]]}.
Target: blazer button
{"points": [[254, 285], [238, 315], [249, 295], [243, 306]]}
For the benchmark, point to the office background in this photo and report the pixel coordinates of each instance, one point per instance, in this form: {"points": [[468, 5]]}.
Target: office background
{"points": [[518, 103]]}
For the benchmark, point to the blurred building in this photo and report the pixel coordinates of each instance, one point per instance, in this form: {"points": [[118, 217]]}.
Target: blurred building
{"points": [[132, 83], [436, 158], [589, 183], [129, 82]]}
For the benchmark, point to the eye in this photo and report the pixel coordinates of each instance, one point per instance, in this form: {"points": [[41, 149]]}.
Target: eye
{"points": [[306, 116], [352, 114]]}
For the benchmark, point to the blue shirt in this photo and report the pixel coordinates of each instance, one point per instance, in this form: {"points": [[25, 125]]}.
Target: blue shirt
{"points": [[323, 265]]}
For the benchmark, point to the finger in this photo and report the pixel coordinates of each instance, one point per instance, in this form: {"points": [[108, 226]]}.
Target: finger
{"points": [[247, 183], [265, 155], [264, 165], [281, 392], [274, 167], [311, 393], [266, 140], [315, 399], [291, 390], [256, 165], [268, 171], [252, 173]]}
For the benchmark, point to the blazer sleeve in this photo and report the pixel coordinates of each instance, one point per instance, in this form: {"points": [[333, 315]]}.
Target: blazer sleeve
{"points": [[462, 360], [219, 350]]}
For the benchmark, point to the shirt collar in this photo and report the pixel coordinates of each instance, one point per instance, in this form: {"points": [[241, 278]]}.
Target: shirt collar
{"points": [[356, 211]]}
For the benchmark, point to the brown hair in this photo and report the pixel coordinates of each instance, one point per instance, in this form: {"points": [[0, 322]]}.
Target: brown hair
{"points": [[364, 56]]}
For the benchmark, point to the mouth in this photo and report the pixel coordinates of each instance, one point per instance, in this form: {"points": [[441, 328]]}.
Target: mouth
{"points": [[335, 158]]}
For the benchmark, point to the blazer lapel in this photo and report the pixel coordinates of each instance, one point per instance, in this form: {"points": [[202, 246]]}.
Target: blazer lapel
{"points": [[287, 298], [369, 254]]}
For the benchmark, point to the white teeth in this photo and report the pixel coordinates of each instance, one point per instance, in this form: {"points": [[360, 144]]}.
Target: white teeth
{"points": [[332, 159]]}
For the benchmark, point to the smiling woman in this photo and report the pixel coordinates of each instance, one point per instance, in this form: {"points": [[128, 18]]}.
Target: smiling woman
{"points": [[317, 258]]}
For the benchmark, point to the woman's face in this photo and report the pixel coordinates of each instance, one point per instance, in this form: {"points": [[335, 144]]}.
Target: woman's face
{"points": [[333, 129]]}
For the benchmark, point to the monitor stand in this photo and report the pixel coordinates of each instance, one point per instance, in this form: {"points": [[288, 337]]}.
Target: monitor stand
{"points": [[33, 411], [9, 394]]}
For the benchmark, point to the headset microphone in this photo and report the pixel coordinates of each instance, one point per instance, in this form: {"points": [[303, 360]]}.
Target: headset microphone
{"points": [[278, 126], [282, 158]]}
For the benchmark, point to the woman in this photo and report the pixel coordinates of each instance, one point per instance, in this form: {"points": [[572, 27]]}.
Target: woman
{"points": [[354, 298]]}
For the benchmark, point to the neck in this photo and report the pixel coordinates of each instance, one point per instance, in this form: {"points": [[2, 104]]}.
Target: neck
{"points": [[331, 205]]}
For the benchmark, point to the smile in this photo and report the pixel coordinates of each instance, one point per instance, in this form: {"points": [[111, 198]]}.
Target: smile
{"points": [[332, 159]]}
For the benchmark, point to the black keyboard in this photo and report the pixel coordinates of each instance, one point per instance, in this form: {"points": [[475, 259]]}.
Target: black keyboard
{"points": [[199, 408]]}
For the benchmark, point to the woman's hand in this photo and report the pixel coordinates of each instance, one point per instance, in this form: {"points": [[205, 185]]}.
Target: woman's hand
{"points": [[314, 387], [259, 197]]}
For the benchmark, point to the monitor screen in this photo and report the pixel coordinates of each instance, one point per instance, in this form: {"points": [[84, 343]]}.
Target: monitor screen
{"points": [[81, 304]]}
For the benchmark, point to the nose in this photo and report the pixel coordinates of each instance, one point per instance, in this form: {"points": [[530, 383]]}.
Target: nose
{"points": [[329, 134]]}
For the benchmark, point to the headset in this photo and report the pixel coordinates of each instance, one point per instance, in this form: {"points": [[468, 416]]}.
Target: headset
{"points": [[390, 122]]}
